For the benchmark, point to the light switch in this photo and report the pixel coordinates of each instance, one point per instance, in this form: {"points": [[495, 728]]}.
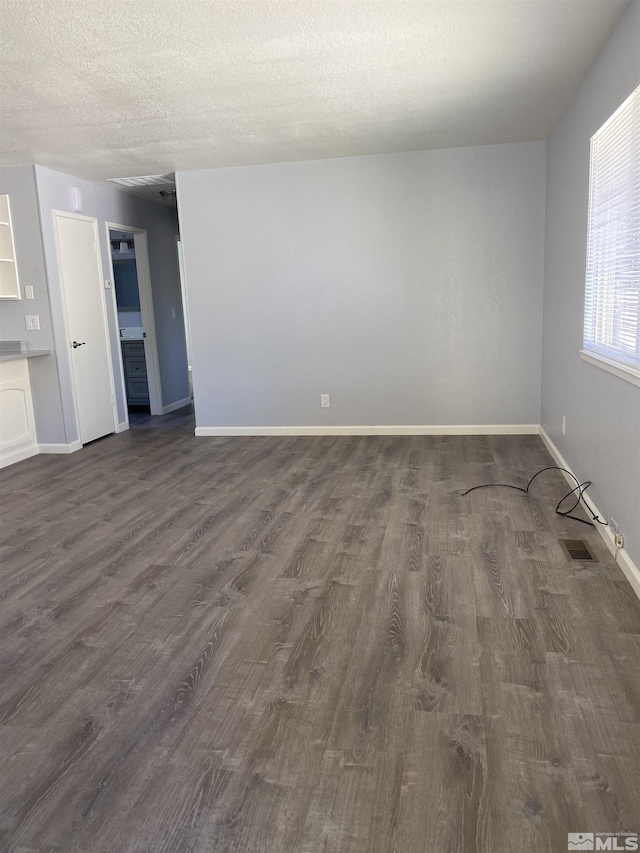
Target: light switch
{"points": [[28, 291], [32, 322]]}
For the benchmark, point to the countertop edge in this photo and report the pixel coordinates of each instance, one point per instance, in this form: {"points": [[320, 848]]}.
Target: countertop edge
{"points": [[16, 356]]}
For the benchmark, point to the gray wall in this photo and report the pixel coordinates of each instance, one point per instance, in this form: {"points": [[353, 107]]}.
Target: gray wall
{"points": [[19, 182], [602, 440], [407, 286], [110, 205]]}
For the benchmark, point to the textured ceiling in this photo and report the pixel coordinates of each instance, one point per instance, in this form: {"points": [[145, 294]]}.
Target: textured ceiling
{"points": [[137, 87]]}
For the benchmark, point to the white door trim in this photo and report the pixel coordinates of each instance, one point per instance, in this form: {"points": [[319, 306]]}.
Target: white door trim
{"points": [[185, 301], [118, 366], [146, 309], [65, 214]]}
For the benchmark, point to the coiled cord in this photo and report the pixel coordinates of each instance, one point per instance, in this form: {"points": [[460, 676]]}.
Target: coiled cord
{"points": [[580, 488]]}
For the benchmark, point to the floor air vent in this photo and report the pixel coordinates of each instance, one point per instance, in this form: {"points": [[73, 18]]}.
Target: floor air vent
{"points": [[576, 549]]}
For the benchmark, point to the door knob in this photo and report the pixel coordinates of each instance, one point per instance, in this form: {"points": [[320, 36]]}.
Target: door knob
{"points": [[75, 344]]}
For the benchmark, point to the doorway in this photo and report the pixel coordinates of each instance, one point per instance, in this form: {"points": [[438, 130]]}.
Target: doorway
{"points": [[86, 323], [131, 276], [130, 326]]}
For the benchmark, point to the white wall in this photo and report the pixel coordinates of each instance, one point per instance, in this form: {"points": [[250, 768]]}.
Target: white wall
{"points": [[602, 441], [110, 205], [407, 286]]}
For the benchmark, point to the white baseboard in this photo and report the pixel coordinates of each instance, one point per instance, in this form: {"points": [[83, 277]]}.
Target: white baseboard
{"points": [[179, 404], [10, 457], [622, 558], [456, 429], [122, 427], [61, 448]]}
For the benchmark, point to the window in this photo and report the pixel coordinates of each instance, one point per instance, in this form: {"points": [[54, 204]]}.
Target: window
{"points": [[612, 302]]}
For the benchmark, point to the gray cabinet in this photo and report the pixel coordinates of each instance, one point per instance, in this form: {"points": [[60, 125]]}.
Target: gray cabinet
{"points": [[135, 373]]}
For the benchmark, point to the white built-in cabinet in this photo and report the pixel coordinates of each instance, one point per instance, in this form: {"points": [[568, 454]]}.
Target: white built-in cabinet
{"points": [[9, 287], [17, 428]]}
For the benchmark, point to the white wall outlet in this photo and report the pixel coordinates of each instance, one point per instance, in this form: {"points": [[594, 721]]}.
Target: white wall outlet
{"points": [[564, 425], [28, 291], [32, 322], [173, 313], [618, 538], [324, 401]]}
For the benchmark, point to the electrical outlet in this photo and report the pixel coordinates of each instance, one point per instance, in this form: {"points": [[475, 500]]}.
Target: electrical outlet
{"points": [[173, 313], [619, 540], [32, 322], [324, 401], [564, 425]]}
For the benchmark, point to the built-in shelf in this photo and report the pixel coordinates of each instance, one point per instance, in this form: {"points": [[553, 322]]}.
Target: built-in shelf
{"points": [[9, 285]]}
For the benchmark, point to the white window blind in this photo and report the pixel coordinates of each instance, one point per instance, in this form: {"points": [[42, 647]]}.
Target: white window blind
{"points": [[612, 303]]}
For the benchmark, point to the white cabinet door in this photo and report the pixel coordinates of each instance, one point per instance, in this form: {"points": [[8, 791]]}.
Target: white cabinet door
{"points": [[17, 430]]}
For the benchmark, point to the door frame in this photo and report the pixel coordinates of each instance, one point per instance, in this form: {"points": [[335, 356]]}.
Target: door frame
{"points": [[143, 269], [105, 322], [185, 300]]}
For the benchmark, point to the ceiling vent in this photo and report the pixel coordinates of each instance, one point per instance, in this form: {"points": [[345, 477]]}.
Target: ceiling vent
{"points": [[143, 181]]}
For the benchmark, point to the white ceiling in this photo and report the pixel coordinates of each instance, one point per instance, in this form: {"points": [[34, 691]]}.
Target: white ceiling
{"points": [[115, 88]]}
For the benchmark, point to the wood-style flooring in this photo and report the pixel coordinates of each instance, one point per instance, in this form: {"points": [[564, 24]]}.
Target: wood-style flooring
{"points": [[305, 644]]}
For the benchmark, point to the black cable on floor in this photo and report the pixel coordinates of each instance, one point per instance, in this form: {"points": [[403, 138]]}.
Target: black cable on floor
{"points": [[580, 488]]}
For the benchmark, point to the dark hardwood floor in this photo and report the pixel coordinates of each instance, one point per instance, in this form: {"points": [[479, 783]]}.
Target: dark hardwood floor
{"points": [[308, 644]]}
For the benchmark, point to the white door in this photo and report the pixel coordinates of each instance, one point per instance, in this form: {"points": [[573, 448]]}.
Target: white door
{"points": [[81, 277]]}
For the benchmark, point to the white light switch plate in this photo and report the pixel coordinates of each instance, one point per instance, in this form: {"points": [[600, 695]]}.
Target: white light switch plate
{"points": [[28, 291], [32, 322]]}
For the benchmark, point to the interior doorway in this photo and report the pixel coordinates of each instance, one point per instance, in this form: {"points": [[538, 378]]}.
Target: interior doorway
{"points": [[130, 325], [140, 370]]}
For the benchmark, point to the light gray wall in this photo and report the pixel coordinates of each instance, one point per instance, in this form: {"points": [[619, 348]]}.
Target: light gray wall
{"points": [[160, 221], [602, 440], [406, 286], [19, 182]]}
